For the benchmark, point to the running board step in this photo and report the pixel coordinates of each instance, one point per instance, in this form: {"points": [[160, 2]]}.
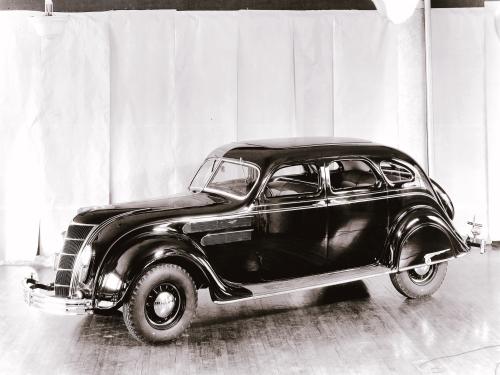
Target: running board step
{"points": [[317, 281]]}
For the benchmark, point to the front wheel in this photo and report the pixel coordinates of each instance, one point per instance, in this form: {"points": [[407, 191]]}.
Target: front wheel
{"points": [[161, 305], [421, 281]]}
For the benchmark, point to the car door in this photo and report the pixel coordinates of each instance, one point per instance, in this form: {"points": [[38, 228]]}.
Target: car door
{"points": [[357, 213], [291, 220]]}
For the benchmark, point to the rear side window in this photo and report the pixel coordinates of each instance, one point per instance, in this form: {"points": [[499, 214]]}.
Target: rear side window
{"points": [[351, 174], [395, 172]]}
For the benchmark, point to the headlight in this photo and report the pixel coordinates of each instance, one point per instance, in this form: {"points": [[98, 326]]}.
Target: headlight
{"points": [[84, 259]]}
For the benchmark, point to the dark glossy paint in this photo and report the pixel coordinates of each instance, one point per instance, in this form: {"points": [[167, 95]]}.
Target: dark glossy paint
{"points": [[357, 222], [292, 231], [226, 243]]}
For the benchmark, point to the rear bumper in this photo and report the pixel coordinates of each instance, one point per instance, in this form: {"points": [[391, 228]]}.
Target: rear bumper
{"points": [[42, 297], [476, 242]]}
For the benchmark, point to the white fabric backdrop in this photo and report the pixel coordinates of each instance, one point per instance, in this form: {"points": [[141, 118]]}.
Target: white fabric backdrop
{"points": [[19, 102], [492, 77], [142, 103], [137, 98], [459, 110], [206, 88], [72, 126]]}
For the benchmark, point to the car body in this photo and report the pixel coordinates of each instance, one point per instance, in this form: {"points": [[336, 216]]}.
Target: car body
{"points": [[297, 213]]}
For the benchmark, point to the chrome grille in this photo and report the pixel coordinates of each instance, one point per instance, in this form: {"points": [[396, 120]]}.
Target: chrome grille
{"points": [[72, 246], [75, 237], [79, 231], [63, 277], [66, 262], [61, 291]]}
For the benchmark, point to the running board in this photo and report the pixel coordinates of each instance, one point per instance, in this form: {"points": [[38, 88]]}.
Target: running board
{"points": [[310, 282]]}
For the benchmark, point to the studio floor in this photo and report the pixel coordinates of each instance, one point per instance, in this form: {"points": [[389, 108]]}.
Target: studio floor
{"points": [[361, 327]]}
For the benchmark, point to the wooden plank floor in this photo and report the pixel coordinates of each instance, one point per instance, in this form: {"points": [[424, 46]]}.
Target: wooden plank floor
{"points": [[362, 327]]}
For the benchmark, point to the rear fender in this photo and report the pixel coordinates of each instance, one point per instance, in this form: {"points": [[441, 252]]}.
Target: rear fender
{"points": [[421, 236]]}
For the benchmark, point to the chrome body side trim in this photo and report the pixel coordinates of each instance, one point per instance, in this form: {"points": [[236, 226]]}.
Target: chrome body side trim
{"points": [[226, 237], [217, 224], [428, 257], [430, 263], [164, 225], [323, 280], [311, 282]]}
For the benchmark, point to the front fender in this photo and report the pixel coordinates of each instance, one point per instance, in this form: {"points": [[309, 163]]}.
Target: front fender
{"points": [[420, 235], [127, 260]]}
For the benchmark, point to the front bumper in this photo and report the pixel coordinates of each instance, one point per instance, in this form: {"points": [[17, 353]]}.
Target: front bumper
{"points": [[42, 297]]}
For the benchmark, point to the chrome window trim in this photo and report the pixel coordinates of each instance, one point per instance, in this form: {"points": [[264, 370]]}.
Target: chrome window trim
{"points": [[232, 161], [403, 164], [217, 162], [271, 172], [371, 165], [319, 184], [289, 203]]}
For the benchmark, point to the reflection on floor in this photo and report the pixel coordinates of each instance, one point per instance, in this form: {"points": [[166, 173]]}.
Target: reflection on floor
{"points": [[361, 327]]}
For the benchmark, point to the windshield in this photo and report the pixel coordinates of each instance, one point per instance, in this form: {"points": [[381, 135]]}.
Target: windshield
{"points": [[230, 178], [201, 178]]}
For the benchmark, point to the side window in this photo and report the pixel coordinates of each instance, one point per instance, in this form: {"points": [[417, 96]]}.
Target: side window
{"points": [[396, 172], [297, 179], [351, 174]]}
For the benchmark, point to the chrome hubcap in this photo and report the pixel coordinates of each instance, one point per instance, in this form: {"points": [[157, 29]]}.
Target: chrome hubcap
{"points": [[422, 275], [164, 304], [422, 270]]}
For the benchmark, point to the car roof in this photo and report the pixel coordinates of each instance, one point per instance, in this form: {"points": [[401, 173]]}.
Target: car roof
{"points": [[293, 142], [268, 152]]}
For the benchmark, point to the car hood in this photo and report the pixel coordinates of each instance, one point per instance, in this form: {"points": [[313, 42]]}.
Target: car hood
{"points": [[176, 205]]}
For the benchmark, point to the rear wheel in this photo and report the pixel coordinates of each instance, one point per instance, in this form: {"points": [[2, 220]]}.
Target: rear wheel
{"points": [[161, 305], [421, 281]]}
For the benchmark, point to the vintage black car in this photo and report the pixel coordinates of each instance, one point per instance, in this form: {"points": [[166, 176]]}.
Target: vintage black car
{"points": [[262, 218]]}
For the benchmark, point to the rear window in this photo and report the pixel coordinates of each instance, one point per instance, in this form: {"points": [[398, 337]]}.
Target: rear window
{"points": [[395, 172]]}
